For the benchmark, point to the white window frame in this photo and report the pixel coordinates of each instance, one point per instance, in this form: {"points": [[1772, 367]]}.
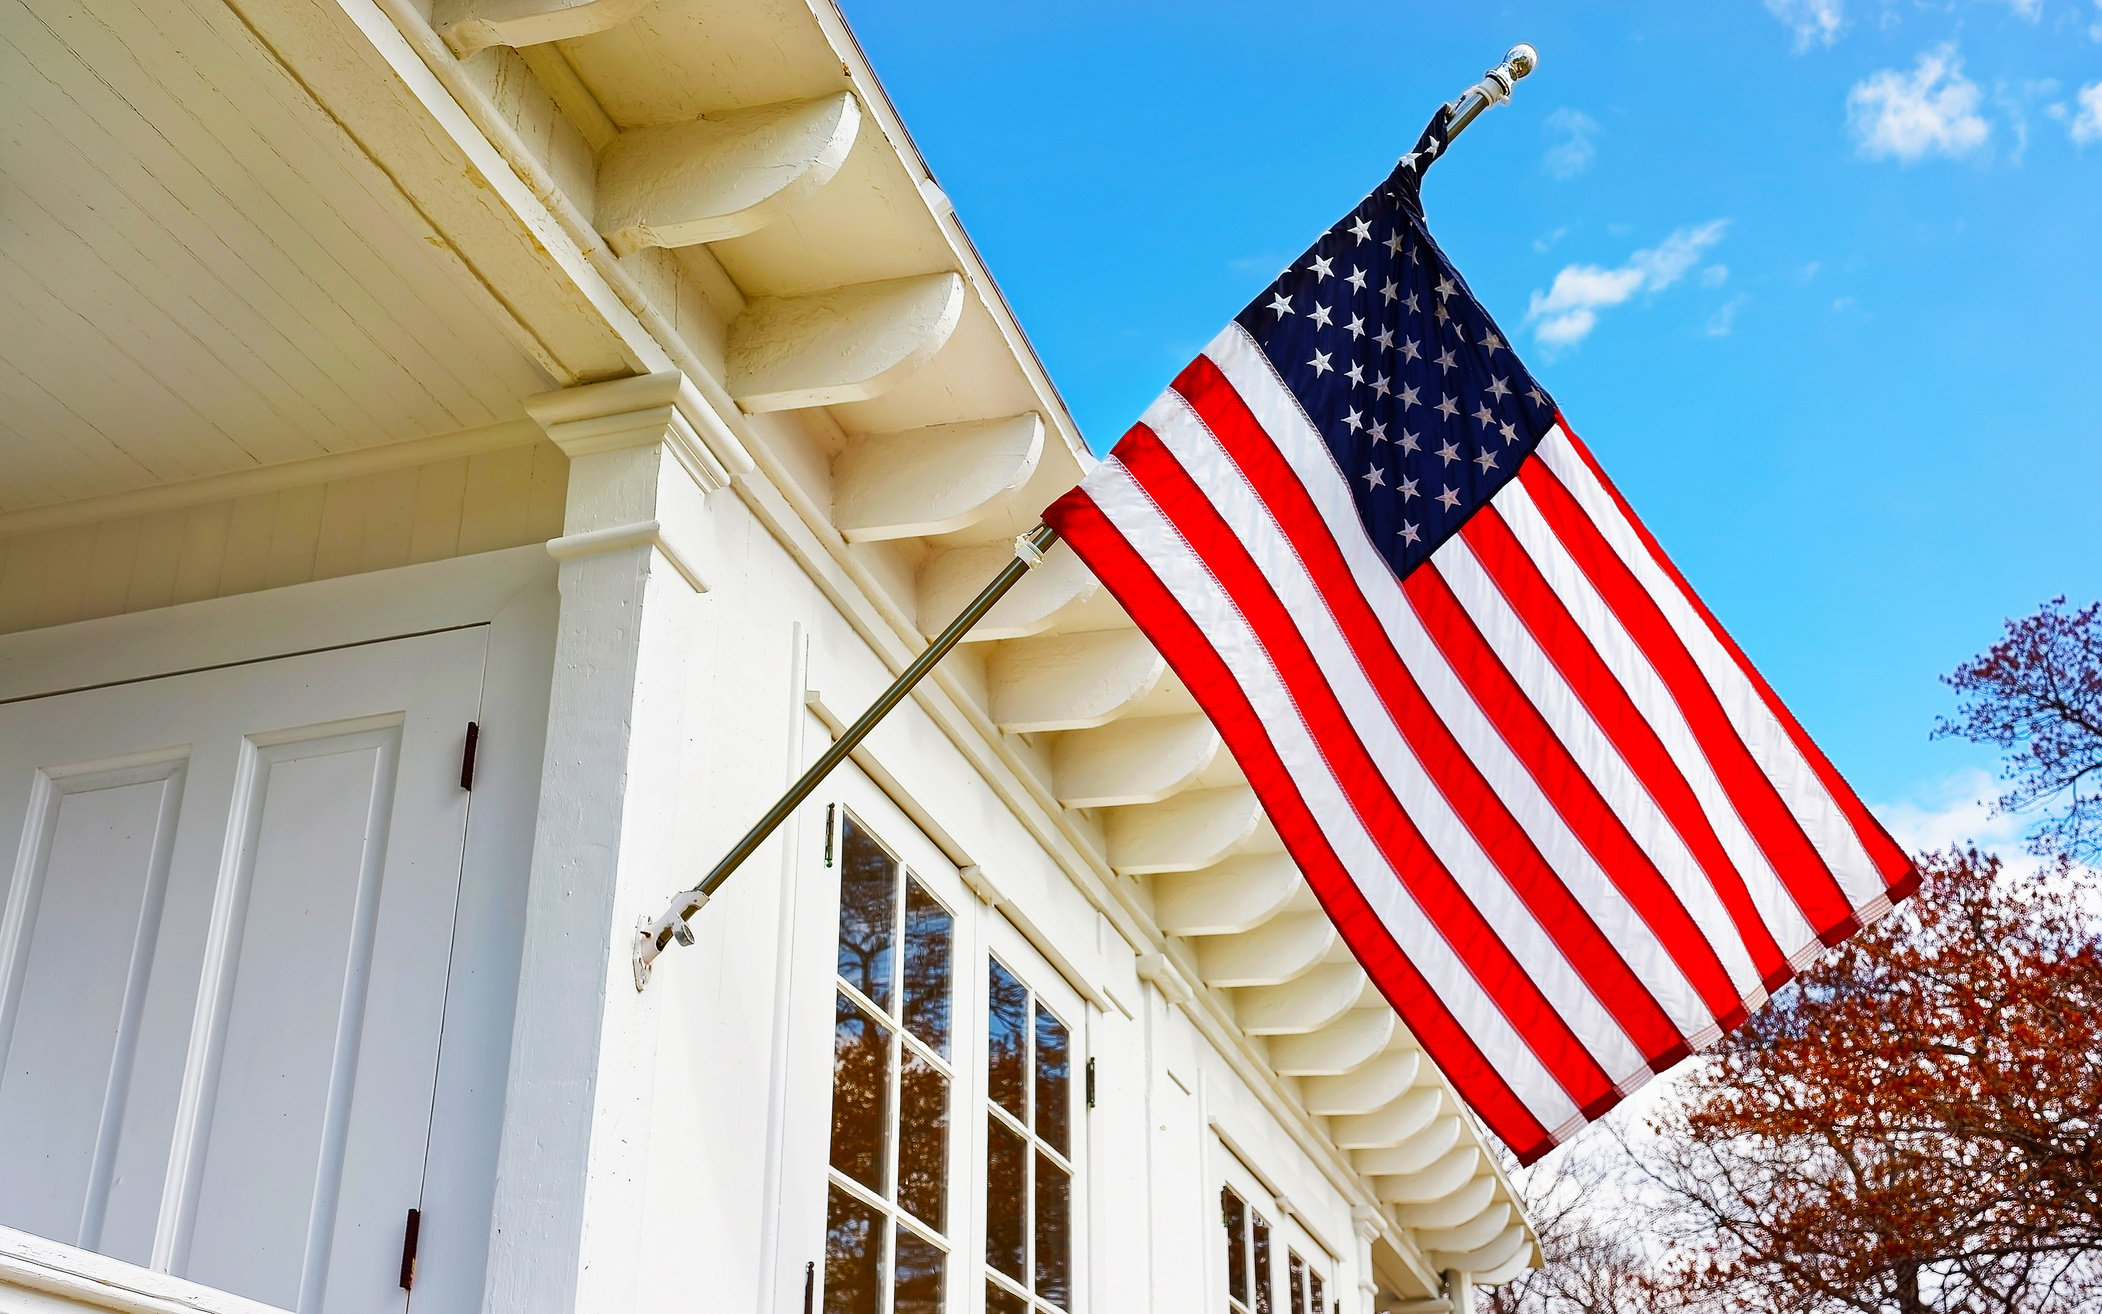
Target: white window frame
{"points": [[1050, 987], [1288, 1237], [981, 934]]}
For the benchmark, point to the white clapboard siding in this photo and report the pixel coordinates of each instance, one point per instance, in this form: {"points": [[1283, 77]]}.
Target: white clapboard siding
{"points": [[268, 539]]}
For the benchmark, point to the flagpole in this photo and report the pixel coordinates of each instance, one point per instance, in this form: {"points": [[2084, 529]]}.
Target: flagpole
{"points": [[652, 936], [1493, 89]]}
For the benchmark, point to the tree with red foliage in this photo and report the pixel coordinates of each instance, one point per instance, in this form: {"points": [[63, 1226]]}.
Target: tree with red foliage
{"points": [[2037, 696], [1916, 1126]]}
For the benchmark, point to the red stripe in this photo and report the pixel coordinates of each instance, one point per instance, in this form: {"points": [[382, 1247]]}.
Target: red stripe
{"points": [[1132, 582], [1590, 818], [1891, 860], [1470, 795], [1556, 633], [1429, 880], [1766, 815]]}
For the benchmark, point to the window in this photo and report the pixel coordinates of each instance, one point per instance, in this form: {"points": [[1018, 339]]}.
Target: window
{"points": [[1266, 1274], [887, 1222], [1028, 1150], [947, 1025]]}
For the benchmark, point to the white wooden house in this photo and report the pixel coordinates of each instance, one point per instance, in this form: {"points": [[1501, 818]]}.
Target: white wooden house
{"points": [[458, 461]]}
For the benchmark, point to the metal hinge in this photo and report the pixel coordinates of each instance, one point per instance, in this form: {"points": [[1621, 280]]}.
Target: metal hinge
{"points": [[831, 814], [1091, 1083], [809, 1286], [474, 735], [409, 1232]]}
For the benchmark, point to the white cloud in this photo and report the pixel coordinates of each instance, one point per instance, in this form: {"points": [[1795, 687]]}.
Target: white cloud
{"points": [[2087, 121], [2029, 9], [1725, 317], [1715, 275], [1958, 810], [1566, 313], [1545, 244], [1573, 148], [1814, 22], [1932, 110]]}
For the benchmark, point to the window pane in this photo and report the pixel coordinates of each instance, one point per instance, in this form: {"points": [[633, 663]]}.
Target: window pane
{"points": [[1054, 1081], [1054, 1227], [923, 1144], [1006, 1199], [1298, 1270], [1263, 1303], [919, 1266], [853, 1257], [868, 893], [1007, 1038], [929, 954], [999, 1300], [1315, 1304], [1236, 1217], [860, 1094]]}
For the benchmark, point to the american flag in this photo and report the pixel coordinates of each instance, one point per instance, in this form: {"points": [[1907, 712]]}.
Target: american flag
{"points": [[1567, 829]]}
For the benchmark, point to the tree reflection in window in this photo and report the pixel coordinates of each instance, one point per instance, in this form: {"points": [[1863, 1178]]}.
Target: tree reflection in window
{"points": [[1028, 1149], [886, 1243]]}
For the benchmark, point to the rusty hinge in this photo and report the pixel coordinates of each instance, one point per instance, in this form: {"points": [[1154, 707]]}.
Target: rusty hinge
{"points": [[409, 1231], [1091, 1083], [474, 735], [809, 1285], [831, 814]]}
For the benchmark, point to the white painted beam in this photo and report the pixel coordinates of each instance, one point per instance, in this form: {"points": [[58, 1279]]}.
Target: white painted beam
{"points": [[472, 25], [1361, 1033], [681, 184], [1389, 1126], [933, 480], [1494, 1257], [1522, 1258], [1307, 1004], [949, 582], [1236, 895], [1468, 1201], [1442, 1178], [1413, 1155], [844, 345], [1373, 1086], [1069, 681], [1279, 950], [1141, 760], [1460, 1238], [1451, 1209], [1194, 829]]}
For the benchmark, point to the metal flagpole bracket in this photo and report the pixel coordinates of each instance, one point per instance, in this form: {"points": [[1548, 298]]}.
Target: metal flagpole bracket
{"points": [[652, 934], [1493, 89]]}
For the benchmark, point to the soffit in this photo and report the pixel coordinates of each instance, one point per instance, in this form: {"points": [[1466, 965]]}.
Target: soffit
{"points": [[200, 272]]}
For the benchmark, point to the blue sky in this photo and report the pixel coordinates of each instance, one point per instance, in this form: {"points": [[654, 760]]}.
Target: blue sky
{"points": [[1820, 280]]}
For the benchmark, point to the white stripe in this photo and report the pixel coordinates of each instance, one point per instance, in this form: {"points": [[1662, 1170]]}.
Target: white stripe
{"points": [[1653, 699], [1600, 760], [1770, 744], [1184, 434], [1164, 551], [1280, 416]]}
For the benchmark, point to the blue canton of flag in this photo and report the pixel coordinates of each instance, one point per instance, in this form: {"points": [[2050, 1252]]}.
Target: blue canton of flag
{"points": [[1408, 380]]}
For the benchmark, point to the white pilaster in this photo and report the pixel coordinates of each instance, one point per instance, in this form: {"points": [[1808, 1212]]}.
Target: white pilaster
{"points": [[1365, 1224], [571, 1172]]}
